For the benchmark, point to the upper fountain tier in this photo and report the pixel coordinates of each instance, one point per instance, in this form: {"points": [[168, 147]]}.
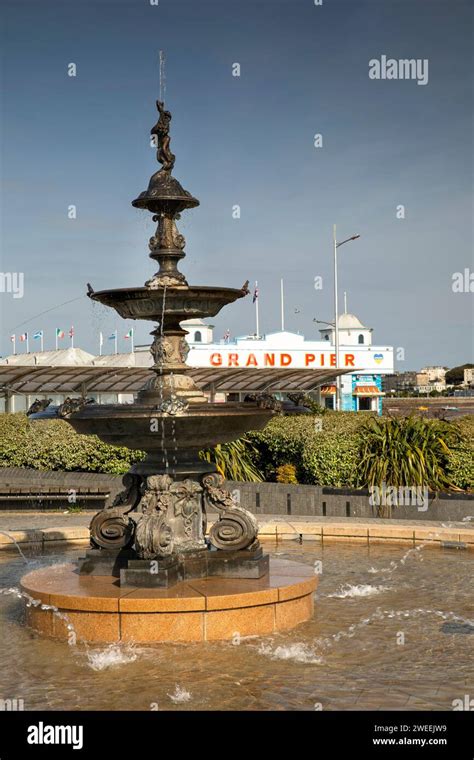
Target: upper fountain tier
{"points": [[167, 296], [164, 192]]}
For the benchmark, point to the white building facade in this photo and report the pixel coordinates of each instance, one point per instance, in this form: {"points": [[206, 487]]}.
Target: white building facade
{"points": [[361, 387]]}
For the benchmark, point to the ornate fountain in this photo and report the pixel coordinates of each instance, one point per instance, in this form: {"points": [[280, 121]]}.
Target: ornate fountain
{"points": [[153, 573], [154, 534]]}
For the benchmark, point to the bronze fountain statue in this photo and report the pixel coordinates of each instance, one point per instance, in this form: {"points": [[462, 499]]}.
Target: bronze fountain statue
{"points": [[155, 532]]}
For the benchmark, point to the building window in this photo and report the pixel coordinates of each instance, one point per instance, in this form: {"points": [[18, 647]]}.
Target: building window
{"points": [[361, 338], [326, 337], [197, 337]]}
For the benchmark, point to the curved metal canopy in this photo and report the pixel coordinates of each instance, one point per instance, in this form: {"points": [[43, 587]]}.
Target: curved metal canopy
{"points": [[86, 380]]}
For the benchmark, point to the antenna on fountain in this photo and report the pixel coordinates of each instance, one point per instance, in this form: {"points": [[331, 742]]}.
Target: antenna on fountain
{"points": [[162, 77]]}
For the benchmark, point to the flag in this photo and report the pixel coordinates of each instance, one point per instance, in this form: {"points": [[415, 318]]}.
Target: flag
{"points": [[23, 337], [113, 336], [71, 332], [129, 334], [227, 336], [59, 333], [255, 294], [12, 338], [38, 335]]}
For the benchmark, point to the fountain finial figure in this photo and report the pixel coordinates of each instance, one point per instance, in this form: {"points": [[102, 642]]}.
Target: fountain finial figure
{"points": [[162, 131]]}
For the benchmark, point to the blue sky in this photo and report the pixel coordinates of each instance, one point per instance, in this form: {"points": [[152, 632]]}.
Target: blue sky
{"points": [[244, 140]]}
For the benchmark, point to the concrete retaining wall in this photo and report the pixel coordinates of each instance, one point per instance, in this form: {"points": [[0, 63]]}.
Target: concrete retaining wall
{"points": [[280, 499], [260, 498]]}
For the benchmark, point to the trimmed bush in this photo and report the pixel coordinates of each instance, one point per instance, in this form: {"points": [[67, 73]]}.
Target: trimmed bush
{"points": [[330, 450], [54, 445], [323, 450], [460, 464]]}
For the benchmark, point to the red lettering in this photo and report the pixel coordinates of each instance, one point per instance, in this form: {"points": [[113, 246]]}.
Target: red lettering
{"points": [[350, 360], [233, 360], [251, 361], [322, 360], [309, 359], [269, 360], [285, 360], [333, 360], [216, 360]]}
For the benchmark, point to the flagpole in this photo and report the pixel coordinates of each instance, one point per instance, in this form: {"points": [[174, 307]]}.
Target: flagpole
{"points": [[42, 348], [27, 343], [56, 338], [14, 345], [256, 310], [116, 337], [101, 341], [72, 336], [282, 306], [132, 338]]}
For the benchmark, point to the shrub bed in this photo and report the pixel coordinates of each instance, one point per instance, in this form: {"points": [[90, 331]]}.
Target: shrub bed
{"points": [[326, 450], [54, 445]]}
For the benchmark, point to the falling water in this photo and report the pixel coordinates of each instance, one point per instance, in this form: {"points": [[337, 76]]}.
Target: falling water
{"points": [[163, 440], [30, 602], [4, 533], [312, 652], [111, 656], [380, 614], [394, 565], [180, 695]]}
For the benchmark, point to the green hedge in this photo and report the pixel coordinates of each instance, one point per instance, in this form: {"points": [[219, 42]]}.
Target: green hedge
{"points": [[461, 460], [324, 450], [54, 445]]}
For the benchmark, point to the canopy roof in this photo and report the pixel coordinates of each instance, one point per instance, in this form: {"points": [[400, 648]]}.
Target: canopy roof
{"points": [[86, 380]]}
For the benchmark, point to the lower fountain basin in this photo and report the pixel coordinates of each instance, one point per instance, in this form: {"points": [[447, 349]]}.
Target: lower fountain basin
{"points": [[212, 609]]}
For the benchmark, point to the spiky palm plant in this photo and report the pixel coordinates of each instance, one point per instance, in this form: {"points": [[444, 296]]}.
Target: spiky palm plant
{"points": [[234, 460], [406, 451]]}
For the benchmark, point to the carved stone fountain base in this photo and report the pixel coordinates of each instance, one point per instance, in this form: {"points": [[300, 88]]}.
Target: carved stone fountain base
{"points": [[154, 535], [162, 573]]}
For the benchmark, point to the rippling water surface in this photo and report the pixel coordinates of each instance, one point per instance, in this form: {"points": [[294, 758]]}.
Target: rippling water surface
{"points": [[391, 630]]}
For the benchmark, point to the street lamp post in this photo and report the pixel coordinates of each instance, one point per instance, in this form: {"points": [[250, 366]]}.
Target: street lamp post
{"points": [[336, 312]]}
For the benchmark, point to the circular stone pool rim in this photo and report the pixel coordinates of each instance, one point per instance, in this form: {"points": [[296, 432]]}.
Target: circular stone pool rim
{"points": [[195, 610], [353, 530]]}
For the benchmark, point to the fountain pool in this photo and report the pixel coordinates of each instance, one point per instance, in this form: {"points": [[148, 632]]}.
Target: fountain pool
{"points": [[385, 634]]}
